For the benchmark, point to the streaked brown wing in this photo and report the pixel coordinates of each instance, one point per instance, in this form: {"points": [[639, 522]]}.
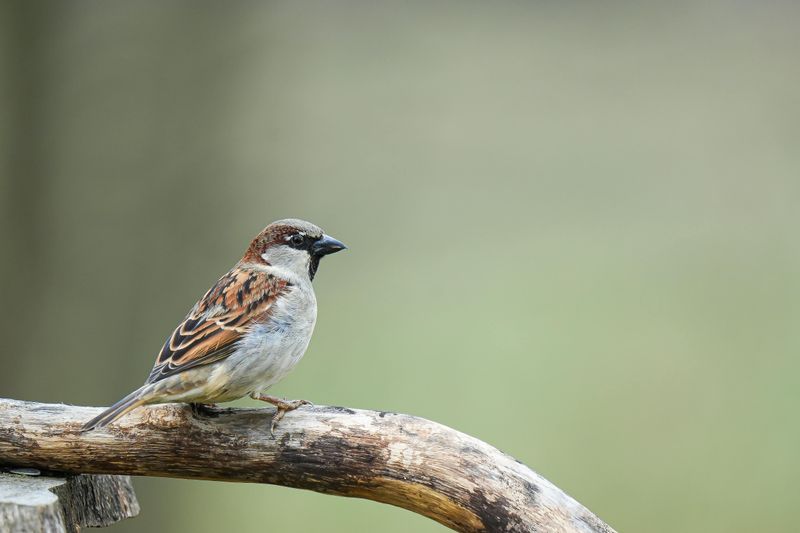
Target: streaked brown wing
{"points": [[210, 332]]}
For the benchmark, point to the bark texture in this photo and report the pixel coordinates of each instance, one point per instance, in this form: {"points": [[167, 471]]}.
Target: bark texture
{"points": [[32, 503], [393, 458]]}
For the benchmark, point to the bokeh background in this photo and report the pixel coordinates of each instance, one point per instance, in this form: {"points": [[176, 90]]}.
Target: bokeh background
{"points": [[573, 231]]}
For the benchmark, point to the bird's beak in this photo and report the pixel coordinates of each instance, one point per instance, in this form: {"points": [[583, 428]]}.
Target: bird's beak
{"points": [[326, 245]]}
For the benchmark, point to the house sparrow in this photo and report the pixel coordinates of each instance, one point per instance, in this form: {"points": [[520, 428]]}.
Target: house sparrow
{"points": [[247, 332]]}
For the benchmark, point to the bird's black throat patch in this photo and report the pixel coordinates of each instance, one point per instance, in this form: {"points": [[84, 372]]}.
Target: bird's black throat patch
{"points": [[313, 265]]}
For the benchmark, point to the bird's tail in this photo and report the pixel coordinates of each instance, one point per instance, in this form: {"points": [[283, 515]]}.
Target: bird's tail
{"points": [[131, 401]]}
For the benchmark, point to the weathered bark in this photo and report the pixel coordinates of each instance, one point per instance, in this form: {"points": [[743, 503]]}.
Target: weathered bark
{"points": [[399, 459], [63, 504]]}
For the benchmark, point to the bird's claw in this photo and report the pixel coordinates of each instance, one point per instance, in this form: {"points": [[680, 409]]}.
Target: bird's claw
{"points": [[283, 407]]}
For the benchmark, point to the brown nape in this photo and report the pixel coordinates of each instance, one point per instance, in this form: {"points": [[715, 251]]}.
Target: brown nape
{"points": [[254, 251], [271, 236]]}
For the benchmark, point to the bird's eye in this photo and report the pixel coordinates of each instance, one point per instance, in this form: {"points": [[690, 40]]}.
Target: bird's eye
{"points": [[297, 240]]}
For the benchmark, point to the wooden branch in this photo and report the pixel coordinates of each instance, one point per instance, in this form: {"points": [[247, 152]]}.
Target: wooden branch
{"points": [[402, 460], [63, 504]]}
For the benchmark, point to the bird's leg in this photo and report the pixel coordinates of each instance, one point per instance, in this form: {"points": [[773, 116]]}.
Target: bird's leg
{"points": [[202, 409], [284, 406]]}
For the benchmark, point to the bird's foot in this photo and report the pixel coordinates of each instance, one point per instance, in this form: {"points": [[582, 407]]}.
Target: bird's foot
{"points": [[284, 406], [203, 409]]}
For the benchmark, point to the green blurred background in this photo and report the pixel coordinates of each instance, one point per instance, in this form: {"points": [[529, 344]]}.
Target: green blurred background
{"points": [[573, 231]]}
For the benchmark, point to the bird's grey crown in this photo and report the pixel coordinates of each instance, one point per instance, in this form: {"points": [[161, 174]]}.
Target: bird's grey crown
{"points": [[301, 225]]}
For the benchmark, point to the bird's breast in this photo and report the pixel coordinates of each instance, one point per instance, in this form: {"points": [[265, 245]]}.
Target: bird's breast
{"points": [[271, 348], [291, 320]]}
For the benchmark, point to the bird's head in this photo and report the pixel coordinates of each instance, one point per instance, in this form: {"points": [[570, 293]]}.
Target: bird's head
{"points": [[293, 245]]}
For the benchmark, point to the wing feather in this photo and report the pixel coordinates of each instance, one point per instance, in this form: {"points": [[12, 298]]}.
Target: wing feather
{"points": [[210, 331]]}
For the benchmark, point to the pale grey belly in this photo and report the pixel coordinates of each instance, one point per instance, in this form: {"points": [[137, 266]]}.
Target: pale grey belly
{"points": [[266, 358], [266, 354]]}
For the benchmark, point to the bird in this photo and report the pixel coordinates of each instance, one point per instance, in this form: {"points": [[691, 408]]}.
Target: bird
{"points": [[246, 333]]}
